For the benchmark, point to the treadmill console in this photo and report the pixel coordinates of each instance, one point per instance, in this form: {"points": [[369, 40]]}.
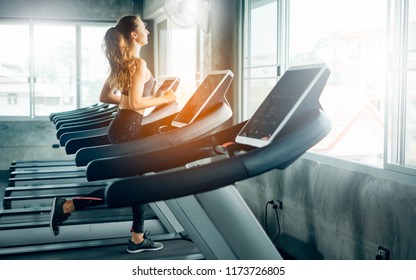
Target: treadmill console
{"points": [[169, 83], [282, 104], [211, 87]]}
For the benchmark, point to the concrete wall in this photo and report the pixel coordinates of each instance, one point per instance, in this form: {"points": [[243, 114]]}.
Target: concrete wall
{"points": [[63, 9], [152, 8], [335, 213], [28, 140]]}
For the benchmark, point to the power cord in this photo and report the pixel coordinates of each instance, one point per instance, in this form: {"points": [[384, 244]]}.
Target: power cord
{"points": [[275, 205]]}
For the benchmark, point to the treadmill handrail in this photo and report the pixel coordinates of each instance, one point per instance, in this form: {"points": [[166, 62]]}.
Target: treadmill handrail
{"points": [[171, 184], [73, 145], [78, 111], [170, 157], [96, 124], [83, 133], [154, 142], [83, 118]]}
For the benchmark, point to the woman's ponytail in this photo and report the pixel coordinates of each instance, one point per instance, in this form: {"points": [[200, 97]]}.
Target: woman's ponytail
{"points": [[119, 50]]}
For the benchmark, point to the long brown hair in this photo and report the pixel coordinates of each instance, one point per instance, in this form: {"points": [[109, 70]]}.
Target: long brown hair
{"points": [[118, 47]]}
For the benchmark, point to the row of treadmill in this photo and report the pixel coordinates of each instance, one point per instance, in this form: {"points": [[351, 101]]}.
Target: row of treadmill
{"points": [[183, 169]]}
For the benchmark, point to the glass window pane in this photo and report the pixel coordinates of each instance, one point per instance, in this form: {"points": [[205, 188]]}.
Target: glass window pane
{"points": [[55, 68], [260, 64], [355, 50], [262, 72], [263, 36], [412, 26], [94, 64], [172, 53], [401, 145], [14, 70], [257, 90], [180, 53], [411, 119]]}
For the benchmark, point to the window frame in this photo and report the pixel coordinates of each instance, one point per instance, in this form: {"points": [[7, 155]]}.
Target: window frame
{"points": [[283, 58], [395, 148], [31, 22], [199, 74]]}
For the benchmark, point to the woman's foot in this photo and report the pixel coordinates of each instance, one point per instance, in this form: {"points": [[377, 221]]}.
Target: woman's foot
{"points": [[145, 245], [58, 215]]}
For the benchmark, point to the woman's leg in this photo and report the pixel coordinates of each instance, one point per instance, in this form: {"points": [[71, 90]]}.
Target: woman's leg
{"points": [[139, 242], [61, 209], [95, 198], [138, 218]]}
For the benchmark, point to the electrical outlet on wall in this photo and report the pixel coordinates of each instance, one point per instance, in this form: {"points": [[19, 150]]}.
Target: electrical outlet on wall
{"points": [[383, 253], [277, 204]]}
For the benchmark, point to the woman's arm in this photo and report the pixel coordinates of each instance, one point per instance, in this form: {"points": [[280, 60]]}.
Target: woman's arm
{"points": [[108, 94], [136, 99]]}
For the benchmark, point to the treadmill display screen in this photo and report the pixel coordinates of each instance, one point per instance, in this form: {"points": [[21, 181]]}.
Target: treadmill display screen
{"points": [[280, 105], [171, 83], [200, 98]]}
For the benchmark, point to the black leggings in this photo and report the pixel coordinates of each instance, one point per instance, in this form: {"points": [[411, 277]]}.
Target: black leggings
{"points": [[126, 126], [97, 197]]}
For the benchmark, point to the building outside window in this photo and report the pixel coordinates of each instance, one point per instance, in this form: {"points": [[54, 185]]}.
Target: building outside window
{"points": [[51, 66], [370, 49]]}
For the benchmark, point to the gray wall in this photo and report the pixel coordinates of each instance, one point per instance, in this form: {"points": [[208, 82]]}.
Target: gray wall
{"points": [[28, 140], [335, 213], [64, 9]]}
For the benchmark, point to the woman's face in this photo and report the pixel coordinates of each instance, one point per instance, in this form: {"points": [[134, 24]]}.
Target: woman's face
{"points": [[140, 34]]}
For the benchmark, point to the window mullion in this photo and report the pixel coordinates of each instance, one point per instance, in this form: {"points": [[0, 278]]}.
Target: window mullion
{"points": [[247, 67], [398, 101], [32, 78], [403, 91], [78, 65], [401, 147], [283, 36]]}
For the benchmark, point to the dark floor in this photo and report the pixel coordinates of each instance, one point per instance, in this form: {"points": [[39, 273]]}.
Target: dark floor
{"points": [[4, 175], [173, 249]]}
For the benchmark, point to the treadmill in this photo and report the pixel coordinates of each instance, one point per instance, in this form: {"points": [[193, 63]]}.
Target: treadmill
{"points": [[151, 115], [161, 115], [82, 137], [206, 110], [86, 118], [202, 196], [80, 111], [157, 111]]}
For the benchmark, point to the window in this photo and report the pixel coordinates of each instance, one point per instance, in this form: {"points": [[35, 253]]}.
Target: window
{"points": [[356, 46], [50, 66], [12, 99], [261, 65], [174, 58], [401, 109], [54, 68], [94, 66], [14, 69]]}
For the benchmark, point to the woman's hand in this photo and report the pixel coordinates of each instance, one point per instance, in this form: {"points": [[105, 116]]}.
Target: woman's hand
{"points": [[169, 96]]}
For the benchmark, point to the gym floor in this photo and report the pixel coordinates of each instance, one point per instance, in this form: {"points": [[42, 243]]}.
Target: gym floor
{"points": [[109, 252]]}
